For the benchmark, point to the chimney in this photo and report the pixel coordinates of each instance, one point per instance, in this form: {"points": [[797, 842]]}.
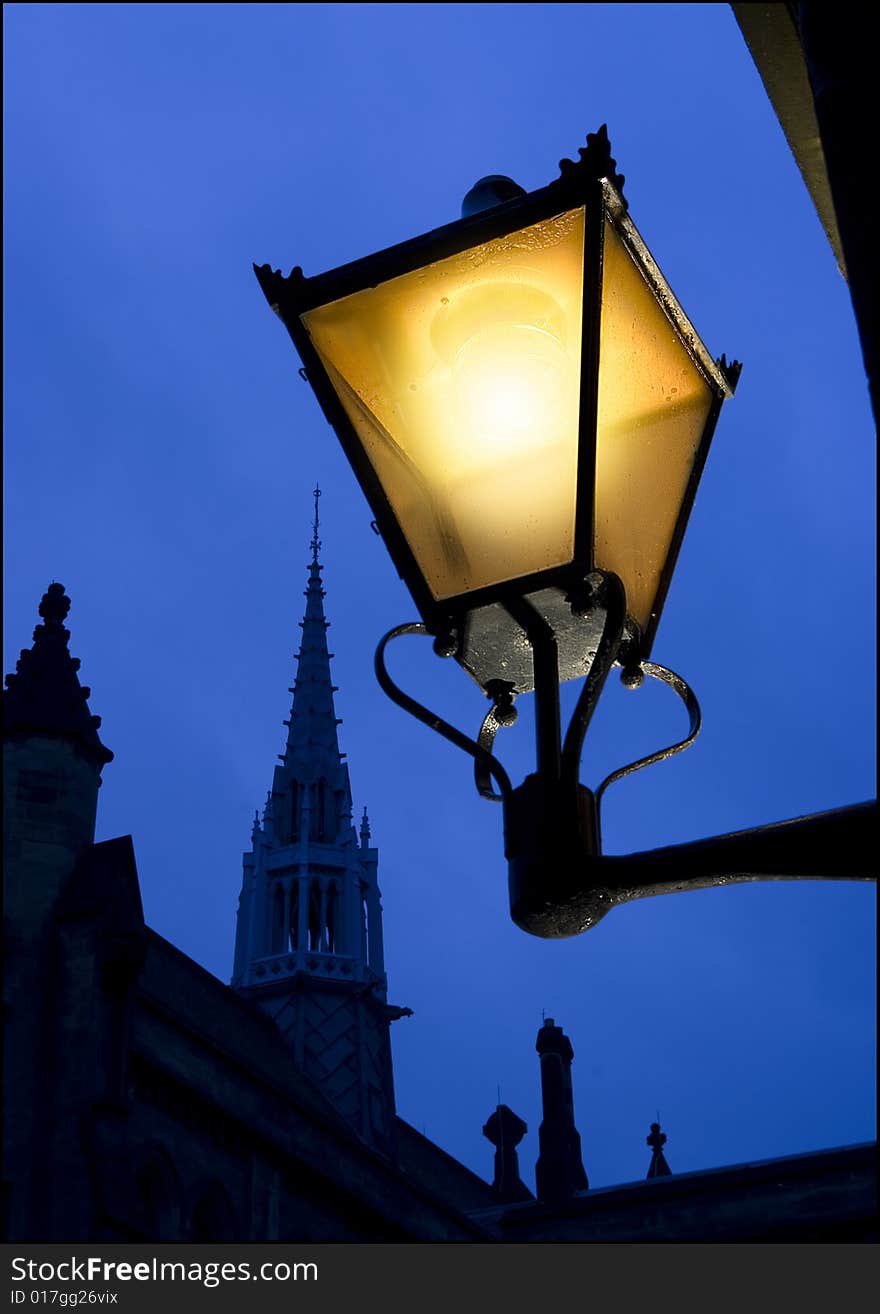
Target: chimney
{"points": [[559, 1170]]}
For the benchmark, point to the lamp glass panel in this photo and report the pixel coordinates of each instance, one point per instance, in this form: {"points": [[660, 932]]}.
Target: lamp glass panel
{"points": [[652, 411], [461, 380]]}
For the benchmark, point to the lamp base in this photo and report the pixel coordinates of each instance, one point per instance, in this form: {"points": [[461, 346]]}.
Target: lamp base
{"points": [[494, 646], [550, 835]]}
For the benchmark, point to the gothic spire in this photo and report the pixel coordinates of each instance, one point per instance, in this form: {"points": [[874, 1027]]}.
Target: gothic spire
{"points": [[44, 696], [308, 940], [313, 720]]}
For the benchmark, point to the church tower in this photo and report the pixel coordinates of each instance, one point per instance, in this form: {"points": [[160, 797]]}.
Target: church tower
{"points": [[308, 945]]}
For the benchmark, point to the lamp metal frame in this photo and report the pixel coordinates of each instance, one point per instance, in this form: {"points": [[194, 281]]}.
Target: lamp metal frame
{"points": [[593, 183]]}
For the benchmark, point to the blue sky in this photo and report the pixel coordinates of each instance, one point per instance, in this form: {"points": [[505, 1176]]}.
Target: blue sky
{"points": [[160, 456]]}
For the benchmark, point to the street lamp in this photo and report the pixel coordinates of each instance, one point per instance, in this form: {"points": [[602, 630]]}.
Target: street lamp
{"points": [[528, 411]]}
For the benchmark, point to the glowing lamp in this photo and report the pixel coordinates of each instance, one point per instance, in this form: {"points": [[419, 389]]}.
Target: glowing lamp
{"points": [[528, 410], [524, 403]]}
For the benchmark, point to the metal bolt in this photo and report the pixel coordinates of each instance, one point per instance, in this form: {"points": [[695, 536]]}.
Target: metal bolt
{"points": [[446, 645], [632, 677]]}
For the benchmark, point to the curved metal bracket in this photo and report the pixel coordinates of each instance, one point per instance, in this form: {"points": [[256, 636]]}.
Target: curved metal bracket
{"points": [[614, 601], [689, 698], [486, 763], [500, 714]]}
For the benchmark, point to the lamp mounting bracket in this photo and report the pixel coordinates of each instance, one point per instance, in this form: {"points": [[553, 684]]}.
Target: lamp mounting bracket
{"points": [[561, 883]]}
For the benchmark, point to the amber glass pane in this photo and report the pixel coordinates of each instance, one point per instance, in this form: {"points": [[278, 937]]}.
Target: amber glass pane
{"points": [[461, 380], [653, 407]]}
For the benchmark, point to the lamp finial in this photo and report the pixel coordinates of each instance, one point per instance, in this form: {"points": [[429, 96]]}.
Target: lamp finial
{"points": [[494, 189], [656, 1140]]}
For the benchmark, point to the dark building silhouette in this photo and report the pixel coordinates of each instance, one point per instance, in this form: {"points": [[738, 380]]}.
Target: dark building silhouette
{"points": [[143, 1098], [816, 62]]}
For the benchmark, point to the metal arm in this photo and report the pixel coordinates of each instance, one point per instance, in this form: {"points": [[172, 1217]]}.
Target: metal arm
{"points": [[838, 846]]}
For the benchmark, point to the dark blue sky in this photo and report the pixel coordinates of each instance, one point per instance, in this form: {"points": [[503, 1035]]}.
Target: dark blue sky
{"points": [[160, 456]]}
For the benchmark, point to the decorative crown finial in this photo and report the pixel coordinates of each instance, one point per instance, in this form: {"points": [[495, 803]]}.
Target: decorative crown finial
{"points": [[54, 604], [316, 542], [656, 1140], [596, 161], [44, 695], [730, 369]]}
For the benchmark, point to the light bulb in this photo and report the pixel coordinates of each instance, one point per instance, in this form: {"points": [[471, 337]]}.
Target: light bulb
{"points": [[511, 384], [510, 372]]}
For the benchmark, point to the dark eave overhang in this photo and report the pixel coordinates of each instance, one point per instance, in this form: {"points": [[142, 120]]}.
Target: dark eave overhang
{"points": [[771, 34]]}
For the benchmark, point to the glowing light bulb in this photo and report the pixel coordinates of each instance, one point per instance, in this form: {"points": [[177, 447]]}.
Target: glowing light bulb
{"points": [[511, 385]]}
